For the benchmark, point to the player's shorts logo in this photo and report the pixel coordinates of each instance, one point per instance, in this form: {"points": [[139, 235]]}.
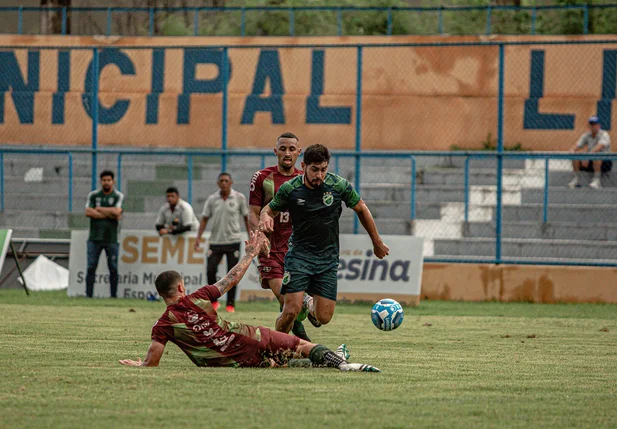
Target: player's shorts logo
{"points": [[328, 199], [286, 278]]}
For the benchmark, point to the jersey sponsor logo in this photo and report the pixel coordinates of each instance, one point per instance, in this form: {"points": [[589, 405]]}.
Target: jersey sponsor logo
{"points": [[328, 198], [254, 181], [300, 201], [286, 278]]}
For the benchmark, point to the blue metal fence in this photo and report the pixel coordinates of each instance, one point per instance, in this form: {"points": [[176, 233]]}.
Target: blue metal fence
{"points": [[529, 13], [411, 159]]}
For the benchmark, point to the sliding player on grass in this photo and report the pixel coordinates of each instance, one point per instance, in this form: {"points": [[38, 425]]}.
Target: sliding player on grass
{"points": [[264, 185], [192, 324], [314, 201]]}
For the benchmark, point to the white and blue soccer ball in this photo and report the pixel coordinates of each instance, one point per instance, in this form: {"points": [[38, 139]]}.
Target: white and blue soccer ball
{"points": [[387, 314]]}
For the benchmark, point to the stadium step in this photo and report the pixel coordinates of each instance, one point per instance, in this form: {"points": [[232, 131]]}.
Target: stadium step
{"points": [[527, 248], [539, 230], [563, 195]]}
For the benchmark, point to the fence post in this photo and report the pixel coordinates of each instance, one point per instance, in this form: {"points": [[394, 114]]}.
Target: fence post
{"points": [[189, 172], [95, 113], [545, 206], [412, 197], [119, 172], [440, 19], [63, 21], [467, 189], [196, 22], [336, 165], [263, 162], [243, 22], [70, 182], [225, 74], [489, 11], [151, 22], [389, 26], [2, 181], [108, 24], [292, 22], [20, 20], [533, 20], [358, 128], [585, 19], [499, 208], [339, 22]]}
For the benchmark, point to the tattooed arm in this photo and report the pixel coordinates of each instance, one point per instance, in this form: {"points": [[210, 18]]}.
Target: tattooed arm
{"points": [[257, 243]]}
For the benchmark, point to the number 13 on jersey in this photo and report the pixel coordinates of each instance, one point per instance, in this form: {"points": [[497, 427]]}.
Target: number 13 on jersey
{"points": [[284, 217]]}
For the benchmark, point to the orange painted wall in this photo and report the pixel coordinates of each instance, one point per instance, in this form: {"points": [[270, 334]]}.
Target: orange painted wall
{"points": [[546, 284], [414, 98]]}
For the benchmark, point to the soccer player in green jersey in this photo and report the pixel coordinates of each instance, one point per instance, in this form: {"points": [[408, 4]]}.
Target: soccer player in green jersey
{"points": [[314, 201]]}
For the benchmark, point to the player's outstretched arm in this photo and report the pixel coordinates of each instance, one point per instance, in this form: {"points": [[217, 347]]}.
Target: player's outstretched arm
{"points": [[366, 219], [256, 244], [266, 219], [153, 357], [254, 212]]}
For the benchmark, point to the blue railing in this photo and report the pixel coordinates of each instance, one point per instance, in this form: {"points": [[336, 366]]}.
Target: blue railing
{"points": [[412, 156], [531, 13]]}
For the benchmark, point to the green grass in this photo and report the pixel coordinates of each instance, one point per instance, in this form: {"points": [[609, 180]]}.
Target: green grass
{"points": [[449, 365]]}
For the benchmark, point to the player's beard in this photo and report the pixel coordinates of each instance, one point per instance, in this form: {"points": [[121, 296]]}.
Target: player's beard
{"points": [[107, 189], [285, 167]]}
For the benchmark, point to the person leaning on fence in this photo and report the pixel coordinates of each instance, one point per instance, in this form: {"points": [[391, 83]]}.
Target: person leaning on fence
{"points": [[225, 207], [595, 141], [104, 208], [176, 216]]}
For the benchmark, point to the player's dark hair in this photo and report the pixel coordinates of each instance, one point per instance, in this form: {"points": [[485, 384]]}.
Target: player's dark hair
{"points": [[166, 282], [224, 173], [172, 190], [288, 136], [106, 173], [316, 154]]}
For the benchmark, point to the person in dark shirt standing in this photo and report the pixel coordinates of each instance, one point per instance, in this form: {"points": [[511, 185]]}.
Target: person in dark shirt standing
{"points": [[104, 208]]}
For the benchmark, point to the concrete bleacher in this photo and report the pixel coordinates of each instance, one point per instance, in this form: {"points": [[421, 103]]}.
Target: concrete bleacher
{"points": [[582, 224]]}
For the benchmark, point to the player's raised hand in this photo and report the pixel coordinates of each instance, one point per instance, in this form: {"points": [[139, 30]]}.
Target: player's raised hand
{"points": [[381, 250], [129, 362], [258, 243]]}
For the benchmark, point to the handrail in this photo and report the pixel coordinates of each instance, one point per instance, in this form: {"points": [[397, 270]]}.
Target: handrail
{"points": [[293, 10]]}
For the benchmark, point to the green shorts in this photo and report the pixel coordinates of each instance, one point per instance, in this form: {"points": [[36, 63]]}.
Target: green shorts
{"points": [[322, 284]]}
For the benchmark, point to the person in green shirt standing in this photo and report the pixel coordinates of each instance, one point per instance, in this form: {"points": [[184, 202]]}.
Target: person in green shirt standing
{"points": [[314, 201], [104, 208]]}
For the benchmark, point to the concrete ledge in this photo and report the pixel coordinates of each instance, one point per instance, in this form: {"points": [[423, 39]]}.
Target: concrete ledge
{"points": [[545, 284]]}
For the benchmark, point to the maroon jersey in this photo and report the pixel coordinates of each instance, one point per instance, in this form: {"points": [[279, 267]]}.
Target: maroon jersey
{"points": [[194, 326], [264, 184]]}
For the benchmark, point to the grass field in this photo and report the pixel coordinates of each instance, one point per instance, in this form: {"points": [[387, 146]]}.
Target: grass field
{"points": [[450, 365]]}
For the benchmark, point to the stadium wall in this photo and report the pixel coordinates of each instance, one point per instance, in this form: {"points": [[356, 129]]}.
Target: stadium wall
{"points": [[413, 98], [542, 284]]}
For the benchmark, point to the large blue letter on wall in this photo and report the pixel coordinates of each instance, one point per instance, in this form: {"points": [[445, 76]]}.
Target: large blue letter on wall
{"points": [[609, 78], [64, 85], [268, 67], [316, 114], [534, 120], [22, 94], [191, 85], [118, 110], [158, 81]]}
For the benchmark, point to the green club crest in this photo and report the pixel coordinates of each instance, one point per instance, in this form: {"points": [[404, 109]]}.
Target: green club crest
{"points": [[328, 199], [286, 278]]}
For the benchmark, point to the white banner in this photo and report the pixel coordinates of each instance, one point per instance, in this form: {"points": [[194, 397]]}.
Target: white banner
{"points": [[143, 254]]}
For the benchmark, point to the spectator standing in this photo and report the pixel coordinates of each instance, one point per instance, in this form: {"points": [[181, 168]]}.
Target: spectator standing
{"points": [[226, 207], [104, 208], [595, 141], [176, 216]]}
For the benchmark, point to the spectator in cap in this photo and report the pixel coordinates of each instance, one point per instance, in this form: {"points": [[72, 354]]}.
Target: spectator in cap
{"points": [[594, 141]]}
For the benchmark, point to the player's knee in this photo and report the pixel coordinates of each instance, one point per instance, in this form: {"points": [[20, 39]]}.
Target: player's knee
{"points": [[324, 318], [291, 310]]}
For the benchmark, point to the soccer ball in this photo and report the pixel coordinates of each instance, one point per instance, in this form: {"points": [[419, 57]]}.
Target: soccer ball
{"points": [[387, 314]]}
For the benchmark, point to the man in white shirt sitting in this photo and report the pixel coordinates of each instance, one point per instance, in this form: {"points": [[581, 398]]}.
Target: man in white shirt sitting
{"points": [[176, 216], [594, 141]]}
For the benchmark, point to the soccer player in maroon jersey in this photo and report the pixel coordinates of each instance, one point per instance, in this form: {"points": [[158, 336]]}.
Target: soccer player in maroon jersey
{"points": [[264, 185], [192, 324]]}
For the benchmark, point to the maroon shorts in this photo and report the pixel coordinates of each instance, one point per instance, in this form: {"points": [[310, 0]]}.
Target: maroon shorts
{"points": [[274, 345], [271, 268]]}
